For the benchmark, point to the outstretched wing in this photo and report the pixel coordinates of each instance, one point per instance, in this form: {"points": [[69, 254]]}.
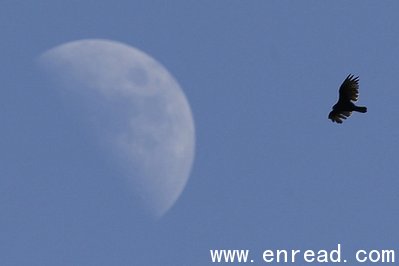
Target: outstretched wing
{"points": [[349, 90], [338, 116]]}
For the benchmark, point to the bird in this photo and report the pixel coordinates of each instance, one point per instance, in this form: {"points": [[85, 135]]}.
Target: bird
{"points": [[348, 94]]}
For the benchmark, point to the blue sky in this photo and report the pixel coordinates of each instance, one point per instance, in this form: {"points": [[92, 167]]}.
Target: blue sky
{"points": [[270, 170]]}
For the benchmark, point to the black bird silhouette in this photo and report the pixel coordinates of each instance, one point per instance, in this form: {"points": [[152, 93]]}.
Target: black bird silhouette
{"points": [[348, 93]]}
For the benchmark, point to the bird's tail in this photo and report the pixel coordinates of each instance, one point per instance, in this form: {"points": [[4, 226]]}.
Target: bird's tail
{"points": [[361, 109]]}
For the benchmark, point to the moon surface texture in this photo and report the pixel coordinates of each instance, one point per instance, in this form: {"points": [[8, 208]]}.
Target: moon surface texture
{"points": [[136, 109]]}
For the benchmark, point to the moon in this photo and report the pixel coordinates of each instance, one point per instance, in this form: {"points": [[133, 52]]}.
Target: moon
{"points": [[135, 108]]}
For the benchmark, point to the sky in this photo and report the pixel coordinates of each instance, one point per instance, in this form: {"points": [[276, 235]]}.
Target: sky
{"points": [[270, 170]]}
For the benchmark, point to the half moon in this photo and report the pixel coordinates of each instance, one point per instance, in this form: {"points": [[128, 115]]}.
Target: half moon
{"points": [[138, 111]]}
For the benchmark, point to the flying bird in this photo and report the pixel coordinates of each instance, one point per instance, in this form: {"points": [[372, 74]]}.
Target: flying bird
{"points": [[348, 93]]}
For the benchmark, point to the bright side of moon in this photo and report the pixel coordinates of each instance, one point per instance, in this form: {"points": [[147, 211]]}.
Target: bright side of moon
{"points": [[136, 108]]}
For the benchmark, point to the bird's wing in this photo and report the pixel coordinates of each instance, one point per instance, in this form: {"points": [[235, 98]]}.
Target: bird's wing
{"points": [[349, 90], [338, 116]]}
